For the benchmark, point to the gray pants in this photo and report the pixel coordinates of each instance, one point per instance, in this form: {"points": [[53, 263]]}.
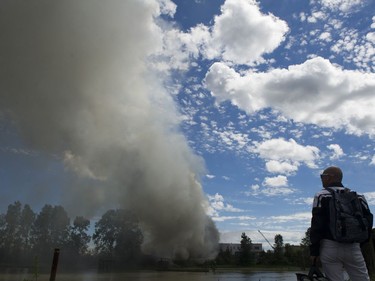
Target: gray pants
{"points": [[337, 257]]}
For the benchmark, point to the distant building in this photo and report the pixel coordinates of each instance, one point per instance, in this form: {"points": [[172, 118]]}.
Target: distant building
{"points": [[235, 248]]}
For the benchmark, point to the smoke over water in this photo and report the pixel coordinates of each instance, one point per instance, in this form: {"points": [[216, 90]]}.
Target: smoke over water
{"points": [[75, 82]]}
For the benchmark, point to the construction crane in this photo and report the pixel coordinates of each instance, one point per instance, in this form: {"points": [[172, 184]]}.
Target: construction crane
{"points": [[266, 240]]}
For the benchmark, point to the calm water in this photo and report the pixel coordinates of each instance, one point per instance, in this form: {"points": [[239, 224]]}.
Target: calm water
{"points": [[160, 276]]}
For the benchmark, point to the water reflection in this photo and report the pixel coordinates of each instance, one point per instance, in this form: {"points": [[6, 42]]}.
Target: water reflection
{"points": [[161, 276]]}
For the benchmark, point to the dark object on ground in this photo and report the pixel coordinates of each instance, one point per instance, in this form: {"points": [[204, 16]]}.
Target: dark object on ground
{"points": [[55, 261], [314, 275]]}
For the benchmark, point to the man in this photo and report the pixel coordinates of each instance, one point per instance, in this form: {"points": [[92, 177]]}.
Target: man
{"points": [[335, 256]]}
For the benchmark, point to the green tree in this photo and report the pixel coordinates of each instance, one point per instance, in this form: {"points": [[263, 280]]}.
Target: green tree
{"points": [[78, 237], [225, 257], [245, 254], [12, 237], [117, 234], [279, 249], [305, 249], [26, 225], [51, 229], [2, 237], [292, 254], [306, 239], [279, 242], [15, 233]]}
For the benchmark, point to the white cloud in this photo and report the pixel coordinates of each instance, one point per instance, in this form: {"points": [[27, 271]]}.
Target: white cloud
{"points": [[225, 218], [354, 47], [279, 167], [372, 160], [306, 216], [370, 197], [302, 16], [167, 7], [217, 205], [242, 34], [270, 188], [337, 151], [232, 139], [303, 201], [210, 176], [277, 191], [315, 92], [279, 181], [341, 5], [325, 36], [255, 187], [371, 37], [315, 16], [287, 150]]}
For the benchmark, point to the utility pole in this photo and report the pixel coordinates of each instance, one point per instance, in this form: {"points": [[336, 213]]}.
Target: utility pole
{"points": [[266, 240]]}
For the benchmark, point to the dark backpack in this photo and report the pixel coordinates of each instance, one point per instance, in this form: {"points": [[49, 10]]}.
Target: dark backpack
{"points": [[348, 223]]}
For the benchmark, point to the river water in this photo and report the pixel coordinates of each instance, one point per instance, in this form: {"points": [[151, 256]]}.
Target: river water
{"points": [[161, 276]]}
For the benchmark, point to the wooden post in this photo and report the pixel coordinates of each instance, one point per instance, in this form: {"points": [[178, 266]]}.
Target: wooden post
{"points": [[54, 265]]}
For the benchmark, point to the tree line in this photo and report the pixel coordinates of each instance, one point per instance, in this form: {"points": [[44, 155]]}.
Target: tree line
{"points": [[27, 237], [285, 254], [281, 254]]}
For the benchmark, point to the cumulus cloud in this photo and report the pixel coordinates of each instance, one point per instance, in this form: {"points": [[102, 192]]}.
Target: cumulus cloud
{"points": [[371, 37], [217, 205], [372, 160], [288, 151], [370, 197], [341, 5], [303, 201], [255, 187], [280, 167], [306, 216], [271, 187], [242, 34], [337, 151], [278, 181], [316, 15], [315, 92]]}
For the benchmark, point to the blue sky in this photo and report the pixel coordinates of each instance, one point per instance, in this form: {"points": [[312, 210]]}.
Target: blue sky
{"points": [[236, 106]]}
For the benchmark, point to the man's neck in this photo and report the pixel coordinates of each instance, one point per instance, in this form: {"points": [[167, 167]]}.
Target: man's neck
{"points": [[333, 184]]}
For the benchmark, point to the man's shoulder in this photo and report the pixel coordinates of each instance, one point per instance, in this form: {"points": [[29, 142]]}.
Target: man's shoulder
{"points": [[320, 196], [323, 193]]}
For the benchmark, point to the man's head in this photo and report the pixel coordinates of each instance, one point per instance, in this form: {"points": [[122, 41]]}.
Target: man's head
{"points": [[331, 175]]}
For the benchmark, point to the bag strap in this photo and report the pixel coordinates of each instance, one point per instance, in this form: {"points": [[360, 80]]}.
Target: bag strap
{"points": [[332, 190]]}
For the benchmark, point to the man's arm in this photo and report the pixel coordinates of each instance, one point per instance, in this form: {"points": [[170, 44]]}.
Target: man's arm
{"points": [[367, 213], [319, 223]]}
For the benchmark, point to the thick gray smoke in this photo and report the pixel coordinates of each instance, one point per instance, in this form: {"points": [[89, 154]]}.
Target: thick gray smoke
{"points": [[74, 80]]}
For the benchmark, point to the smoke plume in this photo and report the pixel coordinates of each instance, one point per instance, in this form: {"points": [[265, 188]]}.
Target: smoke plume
{"points": [[74, 80]]}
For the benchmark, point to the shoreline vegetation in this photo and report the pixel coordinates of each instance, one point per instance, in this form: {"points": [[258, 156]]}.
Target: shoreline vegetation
{"points": [[28, 241], [256, 269]]}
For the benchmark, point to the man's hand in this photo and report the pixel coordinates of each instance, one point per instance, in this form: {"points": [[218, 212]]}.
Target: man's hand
{"points": [[314, 259]]}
